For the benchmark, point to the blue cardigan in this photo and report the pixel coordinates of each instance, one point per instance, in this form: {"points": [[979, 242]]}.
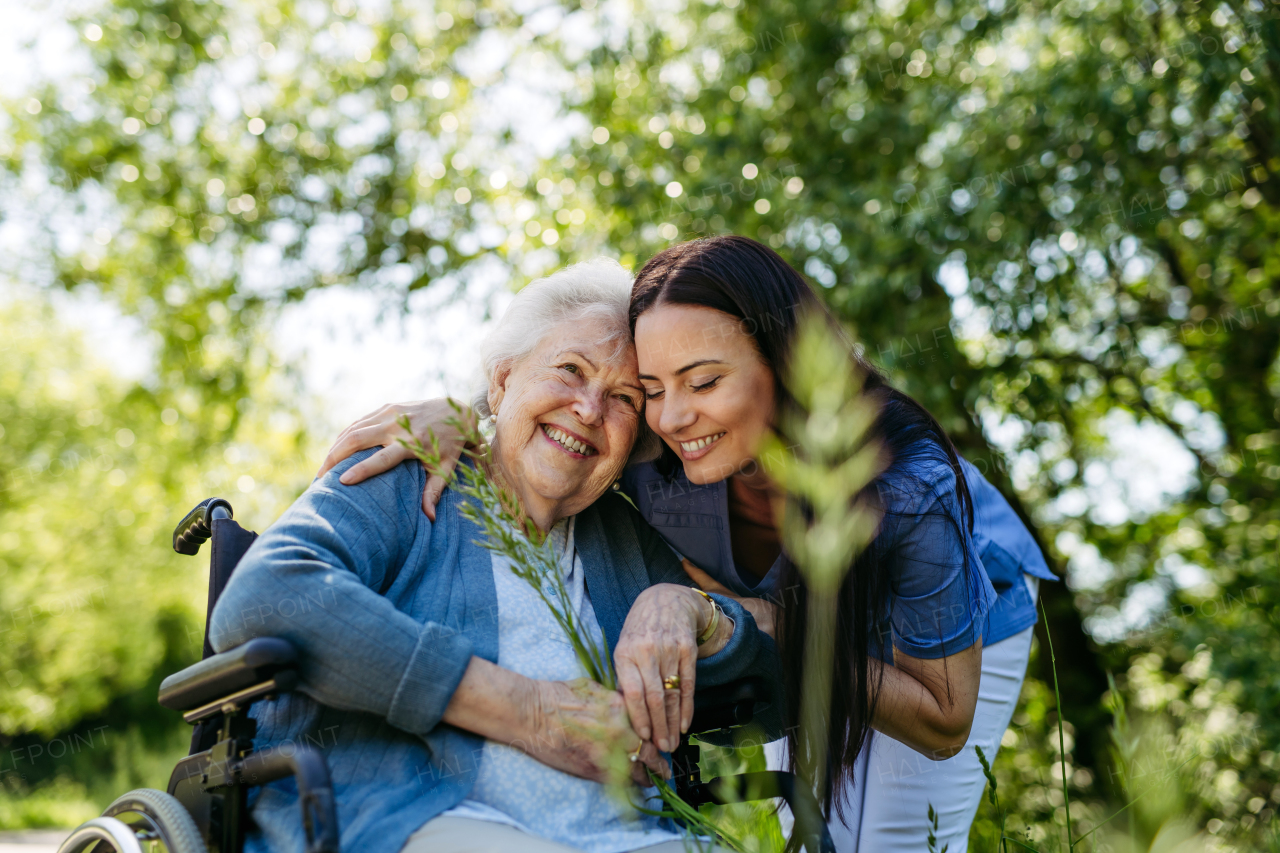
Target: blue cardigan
{"points": [[379, 669]]}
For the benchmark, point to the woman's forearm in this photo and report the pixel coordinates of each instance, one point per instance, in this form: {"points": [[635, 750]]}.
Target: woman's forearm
{"points": [[573, 726], [928, 704], [493, 702]]}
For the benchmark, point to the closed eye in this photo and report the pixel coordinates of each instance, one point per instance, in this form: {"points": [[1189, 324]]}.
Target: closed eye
{"points": [[707, 385], [652, 395]]}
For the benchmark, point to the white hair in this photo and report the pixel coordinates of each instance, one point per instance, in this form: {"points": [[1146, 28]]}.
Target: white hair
{"points": [[598, 289]]}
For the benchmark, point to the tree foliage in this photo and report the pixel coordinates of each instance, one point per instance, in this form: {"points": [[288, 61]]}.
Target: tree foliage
{"points": [[95, 607], [1054, 224]]}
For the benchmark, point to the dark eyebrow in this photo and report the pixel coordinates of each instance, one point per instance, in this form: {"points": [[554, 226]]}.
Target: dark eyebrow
{"points": [[690, 366]]}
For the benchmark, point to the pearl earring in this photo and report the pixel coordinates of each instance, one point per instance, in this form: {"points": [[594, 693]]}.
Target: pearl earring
{"points": [[493, 419]]}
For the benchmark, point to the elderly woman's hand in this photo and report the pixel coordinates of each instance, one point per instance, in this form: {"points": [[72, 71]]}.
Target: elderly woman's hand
{"points": [[382, 428], [659, 641], [581, 727], [575, 726]]}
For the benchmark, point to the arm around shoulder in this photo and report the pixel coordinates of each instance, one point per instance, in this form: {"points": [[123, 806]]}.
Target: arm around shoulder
{"points": [[313, 578]]}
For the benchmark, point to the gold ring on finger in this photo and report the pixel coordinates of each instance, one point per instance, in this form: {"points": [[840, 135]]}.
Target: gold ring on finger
{"points": [[671, 682]]}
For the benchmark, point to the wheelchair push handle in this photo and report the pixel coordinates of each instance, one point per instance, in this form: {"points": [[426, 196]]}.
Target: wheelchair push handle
{"points": [[195, 529]]}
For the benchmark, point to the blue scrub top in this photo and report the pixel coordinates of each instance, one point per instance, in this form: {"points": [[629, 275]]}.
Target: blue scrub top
{"points": [[936, 608]]}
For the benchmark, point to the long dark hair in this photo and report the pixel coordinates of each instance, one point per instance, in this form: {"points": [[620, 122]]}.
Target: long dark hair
{"points": [[751, 282]]}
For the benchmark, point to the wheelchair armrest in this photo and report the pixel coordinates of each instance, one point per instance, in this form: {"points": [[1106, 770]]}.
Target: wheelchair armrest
{"points": [[727, 706], [263, 659]]}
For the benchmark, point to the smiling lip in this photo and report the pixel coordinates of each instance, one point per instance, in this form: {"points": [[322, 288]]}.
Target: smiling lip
{"points": [[574, 445], [699, 447]]}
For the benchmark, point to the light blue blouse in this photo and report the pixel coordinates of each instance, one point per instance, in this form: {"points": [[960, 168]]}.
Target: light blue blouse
{"points": [[586, 816]]}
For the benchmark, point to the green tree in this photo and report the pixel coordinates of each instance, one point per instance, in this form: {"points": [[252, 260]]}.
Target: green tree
{"points": [[95, 607], [250, 153], [1053, 223]]}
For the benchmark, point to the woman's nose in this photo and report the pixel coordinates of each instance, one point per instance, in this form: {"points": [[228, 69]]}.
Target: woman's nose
{"points": [[589, 406], [675, 415]]}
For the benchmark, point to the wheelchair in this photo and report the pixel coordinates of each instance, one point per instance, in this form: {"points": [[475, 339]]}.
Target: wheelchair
{"points": [[204, 809]]}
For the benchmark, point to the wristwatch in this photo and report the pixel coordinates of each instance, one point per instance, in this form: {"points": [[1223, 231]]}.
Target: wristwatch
{"points": [[714, 622]]}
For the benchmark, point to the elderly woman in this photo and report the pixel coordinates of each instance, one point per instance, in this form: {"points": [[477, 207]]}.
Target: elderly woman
{"points": [[451, 706]]}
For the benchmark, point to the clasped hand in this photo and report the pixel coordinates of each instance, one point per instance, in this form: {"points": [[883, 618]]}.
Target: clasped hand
{"points": [[579, 727]]}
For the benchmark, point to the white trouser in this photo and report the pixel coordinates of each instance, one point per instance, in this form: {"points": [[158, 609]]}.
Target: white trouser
{"points": [[467, 835], [887, 802]]}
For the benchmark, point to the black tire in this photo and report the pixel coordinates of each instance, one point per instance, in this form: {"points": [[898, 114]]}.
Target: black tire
{"points": [[151, 810]]}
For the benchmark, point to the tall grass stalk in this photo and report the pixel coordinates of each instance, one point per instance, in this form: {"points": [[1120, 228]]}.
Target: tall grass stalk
{"points": [[822, 458], [1062, 741], [932, 840], [990, 775], [992, 795]]}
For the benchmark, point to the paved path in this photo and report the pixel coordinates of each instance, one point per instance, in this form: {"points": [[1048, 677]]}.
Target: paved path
{"points": [[33, 841]]}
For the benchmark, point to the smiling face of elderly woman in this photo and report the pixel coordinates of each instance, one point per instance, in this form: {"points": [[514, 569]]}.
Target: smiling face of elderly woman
{"points": [[568, 414]]}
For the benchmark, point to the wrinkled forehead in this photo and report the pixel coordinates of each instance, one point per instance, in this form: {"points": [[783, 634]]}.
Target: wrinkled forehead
{"points": [[606, 344]]}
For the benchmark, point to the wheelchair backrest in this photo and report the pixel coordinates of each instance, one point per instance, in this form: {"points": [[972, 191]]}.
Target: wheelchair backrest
{"points": [[212, 520]]}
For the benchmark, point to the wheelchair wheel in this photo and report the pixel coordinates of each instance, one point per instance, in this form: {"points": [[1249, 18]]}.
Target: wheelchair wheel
{"points": [[155, 816], [101, 834]]}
